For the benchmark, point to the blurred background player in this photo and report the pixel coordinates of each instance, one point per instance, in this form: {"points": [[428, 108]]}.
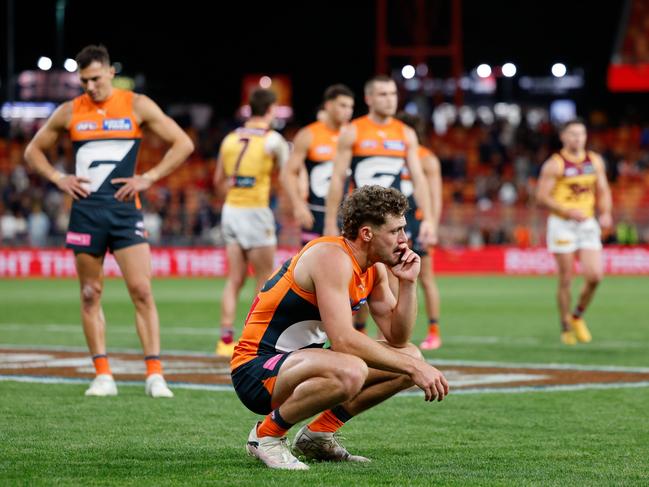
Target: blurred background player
{"points": [[314, 147], [431, 167], [105, 126], [376, 147], [572, 184], [248, 157]]}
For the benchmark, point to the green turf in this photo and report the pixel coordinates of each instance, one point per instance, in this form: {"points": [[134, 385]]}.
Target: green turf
{"points": [[483, 318], [52, 435]]}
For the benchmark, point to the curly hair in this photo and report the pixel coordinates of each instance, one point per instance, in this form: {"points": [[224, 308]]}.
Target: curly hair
{"points": [[370, 204]]}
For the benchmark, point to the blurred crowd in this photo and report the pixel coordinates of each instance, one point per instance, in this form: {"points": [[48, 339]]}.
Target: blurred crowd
{"points": [[489, 171]]}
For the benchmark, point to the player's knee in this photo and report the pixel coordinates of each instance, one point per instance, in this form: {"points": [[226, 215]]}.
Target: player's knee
{"points": [[593, 278], [412, 350], [90, 293], [351, 375], [140, 292]]}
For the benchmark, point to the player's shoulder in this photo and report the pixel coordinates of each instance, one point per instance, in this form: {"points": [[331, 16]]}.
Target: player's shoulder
{"points": [[329, 250], [554, 163], [313, 127]]}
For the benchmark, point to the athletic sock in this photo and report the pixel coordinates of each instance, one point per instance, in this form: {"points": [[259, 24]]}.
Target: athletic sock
{"points": [[227, 335], [153, 365], [433, 326], [101, 364], [579, 310], [330, 421], [273, 425]]}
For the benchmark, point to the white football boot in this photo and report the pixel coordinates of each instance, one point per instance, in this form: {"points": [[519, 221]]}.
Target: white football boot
{"points": [[156, 386], [322, 446], [102, 385], [273, 451]]}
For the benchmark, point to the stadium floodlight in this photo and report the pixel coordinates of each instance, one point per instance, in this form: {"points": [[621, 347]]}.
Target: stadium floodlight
{"points": [[408, 71], [44, 63], [484, 70], [70, 65], [265, 82], [558, 70], [509, 70]]}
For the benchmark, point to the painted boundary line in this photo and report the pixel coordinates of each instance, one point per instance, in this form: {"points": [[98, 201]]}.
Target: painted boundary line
{"points": [[229, 388], [435, 362]]}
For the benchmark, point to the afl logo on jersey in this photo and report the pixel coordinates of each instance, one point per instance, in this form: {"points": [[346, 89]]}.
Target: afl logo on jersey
{"points": [[117, 124], [571, 171], [368, 144], [323, 149], [394, 145], [85, 126]]}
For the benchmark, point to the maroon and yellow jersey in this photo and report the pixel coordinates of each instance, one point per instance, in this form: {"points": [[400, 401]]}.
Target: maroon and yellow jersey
{"points": [[106, 139], [285, 317], [319, 163], [576, 187], [379, 152]]}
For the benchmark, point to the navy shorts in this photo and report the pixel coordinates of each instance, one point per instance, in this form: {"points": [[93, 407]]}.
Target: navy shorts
{"points": [[317, 230], [95, 228], [412, 232], [254, 381]]}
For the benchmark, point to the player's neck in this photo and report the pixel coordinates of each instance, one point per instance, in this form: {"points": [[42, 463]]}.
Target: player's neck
{"points": [[359, 252], [257, 122], [379, 119], [331, 124], [104, 99], [574, 154]]}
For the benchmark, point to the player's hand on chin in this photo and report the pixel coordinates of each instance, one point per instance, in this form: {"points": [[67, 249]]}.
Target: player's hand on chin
{"points": [[407, 269]]}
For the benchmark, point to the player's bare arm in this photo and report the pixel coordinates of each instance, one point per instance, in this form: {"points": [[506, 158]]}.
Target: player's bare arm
{"points": [[547, 181], [220, 180], [43, 141], [151, 117], [420, 188], [290, 178], [432, 169], [395, 316], [330, 284], [341, 161], [604, 199]]}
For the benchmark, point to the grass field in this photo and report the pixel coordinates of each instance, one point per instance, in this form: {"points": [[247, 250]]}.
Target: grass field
{"points": [[52, 435]]}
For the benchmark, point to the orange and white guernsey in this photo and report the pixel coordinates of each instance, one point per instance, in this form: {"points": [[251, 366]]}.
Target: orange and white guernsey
{"points": [[106, 139], [319, 163], [379, 152], [576, 187], [285, 317]]}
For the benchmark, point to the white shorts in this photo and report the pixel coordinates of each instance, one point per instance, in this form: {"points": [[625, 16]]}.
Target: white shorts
{"points": [[567, 236], [248, 227]]}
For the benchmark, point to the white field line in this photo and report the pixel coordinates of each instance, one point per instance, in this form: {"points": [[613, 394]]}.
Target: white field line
{"points": [[229, 388], [212, 332], [436, 362]]}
